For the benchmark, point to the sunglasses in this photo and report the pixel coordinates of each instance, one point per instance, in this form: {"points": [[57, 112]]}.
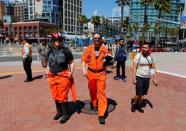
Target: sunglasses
{"points": [[97, 38]]}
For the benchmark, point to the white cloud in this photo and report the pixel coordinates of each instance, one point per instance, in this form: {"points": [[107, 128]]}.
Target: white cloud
{"points": [[95, 12]]}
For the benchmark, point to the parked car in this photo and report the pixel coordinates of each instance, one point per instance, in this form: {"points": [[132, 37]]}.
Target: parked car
{"points": [[157, 49], [167, 49], [183, 49], [175, 49], [171, 49]]}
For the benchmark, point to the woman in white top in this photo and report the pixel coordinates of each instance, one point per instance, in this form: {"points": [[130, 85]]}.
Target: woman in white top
{"points": [[143, 69]]}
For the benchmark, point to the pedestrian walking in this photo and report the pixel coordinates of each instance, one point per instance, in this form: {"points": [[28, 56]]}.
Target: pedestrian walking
{"points": [[60, 76], [94, 69], [143, 68], [121, 57], [27, 58], [42, 50]]}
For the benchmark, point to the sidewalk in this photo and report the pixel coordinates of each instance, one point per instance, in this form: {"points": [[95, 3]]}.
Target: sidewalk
{"points": [[29, 106]]}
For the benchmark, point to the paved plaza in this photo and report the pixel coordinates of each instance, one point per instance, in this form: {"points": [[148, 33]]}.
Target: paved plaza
{"points": [[29, 106]]}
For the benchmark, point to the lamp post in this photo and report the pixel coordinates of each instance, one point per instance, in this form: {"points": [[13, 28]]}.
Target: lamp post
{"points": [[75, 29]]}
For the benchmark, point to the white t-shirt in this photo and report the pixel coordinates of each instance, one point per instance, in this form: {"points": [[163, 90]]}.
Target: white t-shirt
{"points": [[143, 69]]}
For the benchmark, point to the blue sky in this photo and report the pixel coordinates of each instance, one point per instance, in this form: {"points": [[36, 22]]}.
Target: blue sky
{"points": [[101, 7]]}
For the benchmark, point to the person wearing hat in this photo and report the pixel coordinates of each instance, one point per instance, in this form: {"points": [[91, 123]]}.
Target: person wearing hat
{"points": [[61, 67], [27, 58]]}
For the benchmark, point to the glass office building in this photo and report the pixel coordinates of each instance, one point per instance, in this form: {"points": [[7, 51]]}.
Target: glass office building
{"points": [[137, 14]]}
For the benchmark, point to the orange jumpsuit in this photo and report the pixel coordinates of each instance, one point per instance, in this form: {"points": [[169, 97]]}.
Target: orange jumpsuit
{"points": [[60, 85], [96, 80]]}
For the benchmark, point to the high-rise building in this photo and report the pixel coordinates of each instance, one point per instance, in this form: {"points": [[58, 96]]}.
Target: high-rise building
{"points": [[9, 9], [71, 10], [63, 13], [137, 14], [20, 11], [45, 9], [2, 10]]}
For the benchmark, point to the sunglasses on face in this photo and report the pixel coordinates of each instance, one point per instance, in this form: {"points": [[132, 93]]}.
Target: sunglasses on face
{"points": [[97, 38]]}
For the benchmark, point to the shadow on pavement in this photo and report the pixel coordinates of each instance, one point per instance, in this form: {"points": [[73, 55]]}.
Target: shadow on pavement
{"points": [[37, 77], [146, 102], [143, 104], [3, 77], [75, 106]]}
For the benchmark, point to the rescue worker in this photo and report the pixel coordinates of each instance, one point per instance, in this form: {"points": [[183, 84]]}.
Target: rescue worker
{"points": [[42, 50], [27, 58], [93, 68], [143, 68], [61, 67]]}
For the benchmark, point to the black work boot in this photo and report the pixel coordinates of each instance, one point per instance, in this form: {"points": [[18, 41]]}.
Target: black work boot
{"points": [[101, 119], [95, 109], [66, 115], [59, 110]]}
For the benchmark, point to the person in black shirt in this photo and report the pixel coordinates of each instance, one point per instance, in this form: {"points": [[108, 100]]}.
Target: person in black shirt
{"points": [[61, 67], [120, 57]]}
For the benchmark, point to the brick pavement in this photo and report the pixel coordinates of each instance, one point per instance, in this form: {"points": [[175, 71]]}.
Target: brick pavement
{"points": [[29, 106]]}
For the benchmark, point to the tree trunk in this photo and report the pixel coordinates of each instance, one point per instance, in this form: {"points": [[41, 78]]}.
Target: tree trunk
{"points": [[122, 9], [145, 20], [157, 36]]}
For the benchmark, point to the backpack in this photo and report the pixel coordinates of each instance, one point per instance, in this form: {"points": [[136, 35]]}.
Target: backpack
{"points": [[121, 54]]}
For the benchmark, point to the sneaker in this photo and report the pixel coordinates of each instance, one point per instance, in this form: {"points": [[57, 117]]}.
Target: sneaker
{"points": [[133, 107], [101, 120], [124, 79], [139, 109], [117, 78]]}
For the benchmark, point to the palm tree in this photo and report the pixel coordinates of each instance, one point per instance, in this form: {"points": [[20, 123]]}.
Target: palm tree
{"points": [[96, 21], [135, 26], [144, 29], [82, 19], [122, 3], [107, 26], [163, 6], [146, 3], [179, 6]]}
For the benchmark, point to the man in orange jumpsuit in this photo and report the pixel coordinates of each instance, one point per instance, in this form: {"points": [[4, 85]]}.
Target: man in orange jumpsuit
{"points": [[61, 67], [94, 69]]}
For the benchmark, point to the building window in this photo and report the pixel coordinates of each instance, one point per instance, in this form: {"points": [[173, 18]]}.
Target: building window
{"points": [[72, 28], [71, 7], [74, 8]]}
